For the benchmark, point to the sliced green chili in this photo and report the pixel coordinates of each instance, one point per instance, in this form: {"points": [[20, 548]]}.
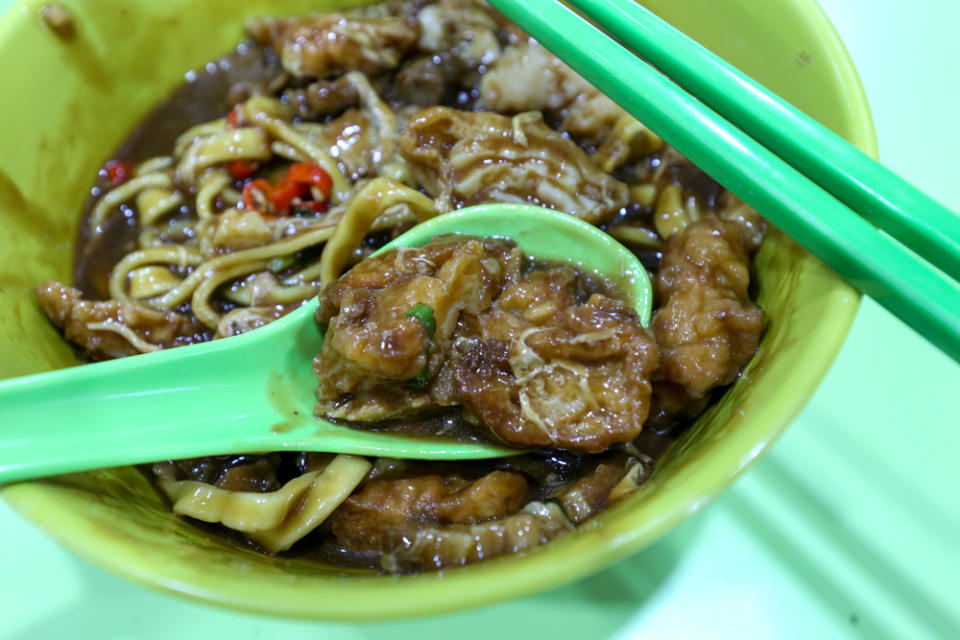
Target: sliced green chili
{"points": [[424, 314]]}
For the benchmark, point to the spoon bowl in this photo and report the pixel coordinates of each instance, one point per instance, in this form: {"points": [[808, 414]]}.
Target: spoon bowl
{"points": [[255, 392]]}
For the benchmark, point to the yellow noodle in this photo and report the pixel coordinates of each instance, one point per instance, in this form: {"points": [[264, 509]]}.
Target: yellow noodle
{"points": [[159, 236], [693, 209], [151, 281], [154, 164], [398, 170], [246, 143], [400, 213], [328, 490], [231, 196], [173, 254], [276, 294], [636, 235], [312, 130], [200, 301], [155, 203], [644, 194], [366, 206], [246, 511], [288, 151], [284, 247], [670, 216], [518, 121], [211, 184], [128, 334], [628, 484], [124, 192], [189, 136]]}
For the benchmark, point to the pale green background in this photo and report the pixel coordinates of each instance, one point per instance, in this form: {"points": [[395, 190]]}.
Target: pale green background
{"points": [[849, 528]]}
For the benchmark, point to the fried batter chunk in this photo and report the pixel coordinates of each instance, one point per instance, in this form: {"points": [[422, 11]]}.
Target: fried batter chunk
{"points": [[579, 379], [527, 77], [380, 506], [706, 326], [375, 345], [353, 142], [464, 29], [423, 548], [109, 328], [518, 352], [325, 45], [463, 158]]}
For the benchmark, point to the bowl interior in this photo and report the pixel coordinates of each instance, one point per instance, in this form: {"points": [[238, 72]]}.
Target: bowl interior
{"points": [[76, 101]]}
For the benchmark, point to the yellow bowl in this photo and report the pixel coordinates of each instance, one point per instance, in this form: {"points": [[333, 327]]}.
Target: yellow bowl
{"points": [[63, 114]]}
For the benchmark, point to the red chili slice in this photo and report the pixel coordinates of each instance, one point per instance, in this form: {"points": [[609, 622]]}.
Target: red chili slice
{"points": [[241, 169], [310, 174], [284, 193], [118, 171], [233, 118], [291, 189], [250, 197]]}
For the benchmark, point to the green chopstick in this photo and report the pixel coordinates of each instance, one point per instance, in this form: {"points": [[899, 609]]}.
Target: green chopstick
{"points": [[876, 193], [910, 288]]}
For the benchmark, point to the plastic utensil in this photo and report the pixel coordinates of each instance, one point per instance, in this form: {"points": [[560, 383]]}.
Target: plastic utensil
{"points": [[255, 392], [918, 293], [866, 186]]}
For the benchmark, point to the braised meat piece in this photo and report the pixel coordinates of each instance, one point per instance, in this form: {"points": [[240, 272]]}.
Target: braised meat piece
{"points": [[427, 547], [112, 328], [706, 326], [382, 506], [324, 45], [463, 158]]}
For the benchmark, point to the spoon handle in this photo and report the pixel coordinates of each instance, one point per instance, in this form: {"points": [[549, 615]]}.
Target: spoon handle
{"points": [[170, 404]]}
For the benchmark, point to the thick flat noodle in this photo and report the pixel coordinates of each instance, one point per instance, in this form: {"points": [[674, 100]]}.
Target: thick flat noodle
{"points": [[463, 158], [114, 329], [382, 506], [247, 511], [589, 495], [706, 326], [275, 519], [324, 45]]}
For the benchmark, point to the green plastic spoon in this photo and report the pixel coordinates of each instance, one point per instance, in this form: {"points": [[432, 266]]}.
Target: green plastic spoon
{"points": [[255, 392]]}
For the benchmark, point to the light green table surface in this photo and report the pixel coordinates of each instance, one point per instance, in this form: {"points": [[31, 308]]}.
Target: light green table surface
{"points": [[849, 528]]}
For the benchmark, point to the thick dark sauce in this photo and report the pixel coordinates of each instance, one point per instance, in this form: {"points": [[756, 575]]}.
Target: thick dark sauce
{"points": [[206, 95]]}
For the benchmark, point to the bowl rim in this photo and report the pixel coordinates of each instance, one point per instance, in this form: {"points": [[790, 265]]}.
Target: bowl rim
{"points": [[430, 593]]}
